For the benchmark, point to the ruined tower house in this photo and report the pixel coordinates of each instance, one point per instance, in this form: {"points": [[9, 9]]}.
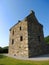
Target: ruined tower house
{"points": [[26, 37]]}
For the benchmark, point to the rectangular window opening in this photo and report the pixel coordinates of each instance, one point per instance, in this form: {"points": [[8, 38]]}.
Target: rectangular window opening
{"points": [[12, 41], [39, 38], [21, 38], [20, 27], [13, 32]]}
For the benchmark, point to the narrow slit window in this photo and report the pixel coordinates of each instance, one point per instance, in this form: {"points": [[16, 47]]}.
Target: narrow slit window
{"points": [[20, 27], [12, 41], [13, 32], [21, 38], [39, 38]]}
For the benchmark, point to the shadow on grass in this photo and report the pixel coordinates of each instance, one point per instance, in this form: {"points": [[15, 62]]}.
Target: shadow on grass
{"points": [[2, 56]]}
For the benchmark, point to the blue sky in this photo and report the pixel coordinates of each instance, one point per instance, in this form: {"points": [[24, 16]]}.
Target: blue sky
{"points": [[13, 10]]}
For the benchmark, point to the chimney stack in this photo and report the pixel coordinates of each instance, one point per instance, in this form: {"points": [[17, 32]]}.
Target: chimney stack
{"points": [[32, 12]]}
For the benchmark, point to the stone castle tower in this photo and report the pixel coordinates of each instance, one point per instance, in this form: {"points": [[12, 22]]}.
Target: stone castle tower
{"points": [[26, 37]]}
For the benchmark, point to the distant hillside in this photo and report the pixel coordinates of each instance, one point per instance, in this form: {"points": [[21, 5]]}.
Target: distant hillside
{"points": [[47, 39]]}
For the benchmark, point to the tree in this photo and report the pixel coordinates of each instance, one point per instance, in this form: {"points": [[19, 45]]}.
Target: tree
{"points": [[5, 49], [47, 39], [1, 50]]}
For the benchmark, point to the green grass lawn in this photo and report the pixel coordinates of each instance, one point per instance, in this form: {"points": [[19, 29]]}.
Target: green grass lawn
{"points": [[4, 60]]}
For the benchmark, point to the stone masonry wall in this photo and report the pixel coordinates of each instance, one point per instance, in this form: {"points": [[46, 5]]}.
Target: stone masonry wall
{"points": [[19, 48], [35, 37]]}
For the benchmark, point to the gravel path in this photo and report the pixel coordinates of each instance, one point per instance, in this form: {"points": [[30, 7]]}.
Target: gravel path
{"points": [[39, 58]]}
